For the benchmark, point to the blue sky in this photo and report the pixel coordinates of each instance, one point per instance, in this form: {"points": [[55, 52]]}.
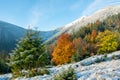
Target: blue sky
{"points": [[48, 14]]}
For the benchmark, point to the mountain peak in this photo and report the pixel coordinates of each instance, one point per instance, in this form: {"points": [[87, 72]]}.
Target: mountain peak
{"points": [[101, 15]]}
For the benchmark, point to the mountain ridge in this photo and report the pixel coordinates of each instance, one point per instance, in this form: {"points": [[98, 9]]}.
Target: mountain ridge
{"points": [[101, 15]]}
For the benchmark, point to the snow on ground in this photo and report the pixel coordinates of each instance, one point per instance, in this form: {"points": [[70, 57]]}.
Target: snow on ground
{"points": [[5, 76], [99, 67], [109, 70]]}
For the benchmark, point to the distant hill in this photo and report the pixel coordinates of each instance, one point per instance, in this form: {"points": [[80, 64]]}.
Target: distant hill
{"points": [[10, 34]]}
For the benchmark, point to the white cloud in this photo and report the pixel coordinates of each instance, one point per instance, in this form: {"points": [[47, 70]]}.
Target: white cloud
{"points": [[34, 15], [98, 4]]}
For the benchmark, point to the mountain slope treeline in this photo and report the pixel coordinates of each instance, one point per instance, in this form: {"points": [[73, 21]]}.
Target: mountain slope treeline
{"points": [[95, 38]]}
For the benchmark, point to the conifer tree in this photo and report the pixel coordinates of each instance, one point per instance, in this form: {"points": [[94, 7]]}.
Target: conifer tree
{"points": [[27, 54]]}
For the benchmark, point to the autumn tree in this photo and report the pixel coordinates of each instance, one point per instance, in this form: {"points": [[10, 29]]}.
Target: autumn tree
{"points": [[107, 41], [91, 40], [80, 49], [64, 50]]}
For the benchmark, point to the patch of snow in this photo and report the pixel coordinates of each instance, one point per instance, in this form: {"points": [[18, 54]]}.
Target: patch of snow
{"points": [[5, 76]]}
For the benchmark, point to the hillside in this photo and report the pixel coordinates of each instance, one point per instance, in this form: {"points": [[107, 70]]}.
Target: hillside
{"points": [[80, 41], [90, 49], [96, 67], [10, 34], [101, 15]]}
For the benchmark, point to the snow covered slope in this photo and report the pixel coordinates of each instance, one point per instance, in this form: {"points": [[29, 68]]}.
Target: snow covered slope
{"points": [[97, 67], [84, 20]]}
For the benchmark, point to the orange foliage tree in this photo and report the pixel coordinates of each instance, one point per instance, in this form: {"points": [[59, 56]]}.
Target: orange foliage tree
{"points": [[64, 50]]}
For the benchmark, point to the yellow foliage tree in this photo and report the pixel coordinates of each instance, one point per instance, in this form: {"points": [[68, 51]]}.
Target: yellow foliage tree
{"points": [[107, 41], [64, 50]]}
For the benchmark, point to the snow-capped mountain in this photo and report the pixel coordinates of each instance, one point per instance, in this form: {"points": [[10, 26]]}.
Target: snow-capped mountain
{"points": [[10, 34], [84, 20]]}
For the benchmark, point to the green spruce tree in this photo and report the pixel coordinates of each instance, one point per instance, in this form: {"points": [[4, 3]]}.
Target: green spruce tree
{"points": [[28, 53]]}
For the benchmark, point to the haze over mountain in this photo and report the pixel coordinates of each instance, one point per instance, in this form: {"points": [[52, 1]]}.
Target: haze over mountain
{"points": [[101, 15]]}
